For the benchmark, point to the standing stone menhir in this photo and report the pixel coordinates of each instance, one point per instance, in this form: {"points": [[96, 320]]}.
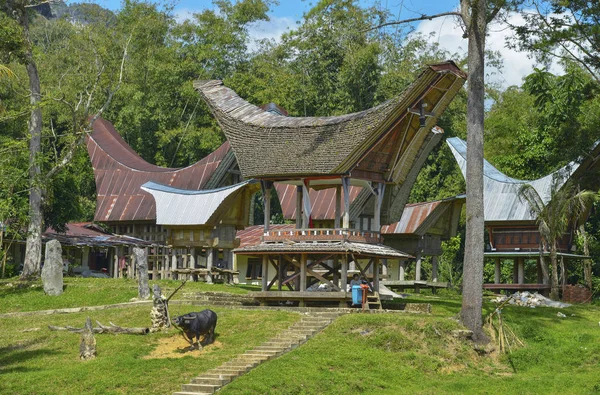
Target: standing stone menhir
{"points": [[52, 272]]}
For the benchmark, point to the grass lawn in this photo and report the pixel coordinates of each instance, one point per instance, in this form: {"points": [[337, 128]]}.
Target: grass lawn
{"points": [[79, 292], [383, 353]]}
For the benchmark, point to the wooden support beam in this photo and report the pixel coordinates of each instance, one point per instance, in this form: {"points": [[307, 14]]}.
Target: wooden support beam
{"points": [[344, 274], [306, 204], [376, 274], [299, 207], [379, 191], [346, 187], [497, 271], [302, 272], [266, 190], [402, 270], [434, 268], [265, 272], [521, 270], [210, 258], [338, 206]]}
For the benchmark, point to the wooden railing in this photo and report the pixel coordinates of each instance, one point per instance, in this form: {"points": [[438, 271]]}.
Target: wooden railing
{"points": [[318, 234]]}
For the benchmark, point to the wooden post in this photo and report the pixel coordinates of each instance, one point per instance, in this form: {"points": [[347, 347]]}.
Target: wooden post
{"points": [[376, 275], [418, 267], [497, 271], [165, 263], [418, 273], [299, 207], [540, 274], [378, 200], [210, 256], [344, 274], [515, 271], [338, 206], [265, 272], [303, 272], [434, 268], [85, 258], [306, 206], [192, 260], [336, 271], [346, 187], [521, 270], [279, 273], [402, 270], [266, 190]]}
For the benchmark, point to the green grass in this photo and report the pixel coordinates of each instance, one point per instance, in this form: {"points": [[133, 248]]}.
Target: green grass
{"points": [[79, 292], [383, 353], [46, 362]]}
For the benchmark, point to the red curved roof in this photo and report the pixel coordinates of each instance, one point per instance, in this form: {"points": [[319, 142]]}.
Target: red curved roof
{"points": [[120, 172]]}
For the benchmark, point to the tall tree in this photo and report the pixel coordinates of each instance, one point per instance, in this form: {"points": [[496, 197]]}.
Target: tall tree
{"points": [[474, 16], [81, 85], [567, 207]]}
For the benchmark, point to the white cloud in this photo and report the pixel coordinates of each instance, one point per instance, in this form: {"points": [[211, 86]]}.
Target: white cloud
{"points": [[183, 14], [447, 32], [271, 29]]}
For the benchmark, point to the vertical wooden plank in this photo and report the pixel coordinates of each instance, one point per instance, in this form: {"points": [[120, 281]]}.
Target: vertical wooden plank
{"points": [[497, 271], [521, 270], [265, 272], [346, 187], [402, 270], [306, 204], [376, 275], [266, 190], [299, 207], [115, 262], [192, 261], [279, 273], [377, 213], [338, 206], [434, 268], [173, 263], [302, 272], [418, 267], [336, 271], [344, 274]]}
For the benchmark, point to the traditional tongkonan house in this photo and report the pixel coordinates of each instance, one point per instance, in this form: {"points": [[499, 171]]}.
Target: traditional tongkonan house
{"points": [[204, 221], [370, 149], [127, 209], [512, 228]]}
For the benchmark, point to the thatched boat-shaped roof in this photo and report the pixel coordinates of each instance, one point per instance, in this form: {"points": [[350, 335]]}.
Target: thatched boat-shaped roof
{"points": [[380, 144]]}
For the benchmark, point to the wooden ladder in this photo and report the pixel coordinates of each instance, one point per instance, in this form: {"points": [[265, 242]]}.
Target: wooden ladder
{"points": [[373, 302]]}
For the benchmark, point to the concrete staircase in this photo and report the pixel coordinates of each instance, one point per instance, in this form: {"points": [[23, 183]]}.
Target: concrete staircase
{"points": [[211, 381]]}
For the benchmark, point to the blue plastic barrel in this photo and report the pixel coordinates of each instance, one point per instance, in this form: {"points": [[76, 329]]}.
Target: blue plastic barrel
{"points": [[357, 294]]}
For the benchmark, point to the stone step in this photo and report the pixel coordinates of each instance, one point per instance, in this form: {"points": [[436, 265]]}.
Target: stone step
{"points": [[206, 388], [211, 381], [222, 376], [191, 393]]}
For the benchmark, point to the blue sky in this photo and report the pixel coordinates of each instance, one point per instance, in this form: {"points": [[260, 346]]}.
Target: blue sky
{"points": [[444, 31]]}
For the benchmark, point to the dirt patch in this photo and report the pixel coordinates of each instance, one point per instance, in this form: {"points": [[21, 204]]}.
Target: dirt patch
{"points": [[177, 347]]}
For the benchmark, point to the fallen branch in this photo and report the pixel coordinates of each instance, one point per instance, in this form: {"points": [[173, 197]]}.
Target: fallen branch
{"points": [[114, 329]]}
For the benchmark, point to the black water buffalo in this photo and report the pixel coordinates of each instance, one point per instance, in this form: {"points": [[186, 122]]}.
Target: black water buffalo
{"points": [[198, 324]]}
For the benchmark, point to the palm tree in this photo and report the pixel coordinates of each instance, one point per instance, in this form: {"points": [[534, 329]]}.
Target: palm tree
{"points": [[567, 206], [6, 72]]}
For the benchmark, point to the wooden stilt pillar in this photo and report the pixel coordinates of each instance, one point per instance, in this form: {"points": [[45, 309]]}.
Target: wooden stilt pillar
{"points": [[540, 273], [346, 217], [515, 271], [402, 270], [384, 268], [266, 190], [521, 270], [299, 207], [376, 275], [306, 205], [434, 268], [344, 274], [303, 272], [265, 272], [497, 271], [377, 213], [115, 262], [418, 272], [338, 207], [154, 260], [336, 271], [165, 263]]}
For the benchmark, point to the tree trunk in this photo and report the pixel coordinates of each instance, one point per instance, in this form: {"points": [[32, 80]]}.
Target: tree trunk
{"points": [[471, 315], [33, 252], [587, 263], [554, 263]]}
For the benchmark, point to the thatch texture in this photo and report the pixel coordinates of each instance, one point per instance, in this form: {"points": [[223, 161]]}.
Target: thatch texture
{"points": [[384, 141]]}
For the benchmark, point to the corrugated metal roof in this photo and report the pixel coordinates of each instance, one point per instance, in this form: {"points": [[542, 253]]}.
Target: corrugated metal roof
{"points": [[120, 172], [176, 206], [500, 192], [82, 234]]}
